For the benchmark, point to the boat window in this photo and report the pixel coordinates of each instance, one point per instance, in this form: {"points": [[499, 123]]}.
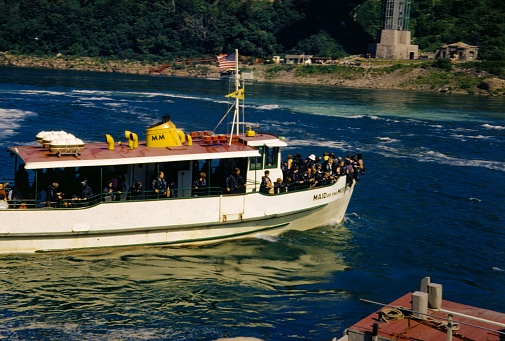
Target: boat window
{"points": [[256, 162], [271, 157]]}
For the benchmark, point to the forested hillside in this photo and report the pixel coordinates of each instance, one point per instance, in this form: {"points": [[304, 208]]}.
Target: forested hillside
{"points": [[156, 30]]}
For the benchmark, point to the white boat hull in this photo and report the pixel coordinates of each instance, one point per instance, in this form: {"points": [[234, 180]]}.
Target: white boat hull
{"points": [[194, 220]]}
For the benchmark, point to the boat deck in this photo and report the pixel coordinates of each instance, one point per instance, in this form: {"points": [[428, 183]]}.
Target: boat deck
{"points": [[473, 324], [97, 153]]}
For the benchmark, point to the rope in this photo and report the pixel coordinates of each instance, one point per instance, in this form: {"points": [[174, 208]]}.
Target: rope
{"points": [[391, 314]]}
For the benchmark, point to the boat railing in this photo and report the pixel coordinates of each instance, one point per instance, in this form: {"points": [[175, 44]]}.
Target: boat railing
{"points": [[114, 197], [293, 187], [146, 195]]}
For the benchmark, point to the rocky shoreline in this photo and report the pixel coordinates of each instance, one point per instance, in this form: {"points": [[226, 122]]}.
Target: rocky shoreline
{"points": [[397, 80]]}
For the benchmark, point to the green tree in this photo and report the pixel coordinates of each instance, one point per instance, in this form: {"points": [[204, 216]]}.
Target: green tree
{"points": [[321, 45]]}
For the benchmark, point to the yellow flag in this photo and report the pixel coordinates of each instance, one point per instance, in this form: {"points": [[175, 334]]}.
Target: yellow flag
{"points": [[237, 94]]}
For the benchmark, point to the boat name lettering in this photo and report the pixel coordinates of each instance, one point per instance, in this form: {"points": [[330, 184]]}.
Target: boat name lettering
{"points": [[159, 137], [328, 195]]}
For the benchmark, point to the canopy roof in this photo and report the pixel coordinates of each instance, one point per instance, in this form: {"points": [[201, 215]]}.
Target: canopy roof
{"points": [[98, 154]]}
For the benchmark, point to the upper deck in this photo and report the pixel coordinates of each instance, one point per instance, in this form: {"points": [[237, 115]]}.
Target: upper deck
{"points": [[99, 154]]}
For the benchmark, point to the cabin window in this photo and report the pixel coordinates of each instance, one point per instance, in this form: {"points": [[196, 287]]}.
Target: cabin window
{"points": [[271, 157], [256, 162]]}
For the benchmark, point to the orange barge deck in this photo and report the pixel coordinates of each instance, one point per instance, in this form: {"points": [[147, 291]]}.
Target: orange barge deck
{"points": [[469, 323]]}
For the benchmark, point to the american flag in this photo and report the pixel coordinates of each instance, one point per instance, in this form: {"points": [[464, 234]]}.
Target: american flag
{"points": [[226, 61]]}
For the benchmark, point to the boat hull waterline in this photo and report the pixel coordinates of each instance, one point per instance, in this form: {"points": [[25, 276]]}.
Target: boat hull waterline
{"points": [[194, 220]]}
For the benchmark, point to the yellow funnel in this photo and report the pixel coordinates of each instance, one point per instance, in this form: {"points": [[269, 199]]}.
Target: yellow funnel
{"points": [[164, 134]]}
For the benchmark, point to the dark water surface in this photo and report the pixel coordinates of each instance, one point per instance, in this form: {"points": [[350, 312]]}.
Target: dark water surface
{"points": [[431, 204]]}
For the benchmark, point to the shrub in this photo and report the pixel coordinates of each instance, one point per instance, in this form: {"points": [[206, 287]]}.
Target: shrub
{"points": [[442, 63]]}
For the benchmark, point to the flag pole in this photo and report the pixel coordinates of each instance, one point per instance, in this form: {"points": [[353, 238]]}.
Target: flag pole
{"points": [[236, 115]]}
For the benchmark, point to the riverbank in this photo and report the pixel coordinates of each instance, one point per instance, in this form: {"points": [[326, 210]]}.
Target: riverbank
{"points": [[351, 72]]}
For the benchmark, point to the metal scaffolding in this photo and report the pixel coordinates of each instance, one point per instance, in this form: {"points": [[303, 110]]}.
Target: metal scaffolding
{"points": [[396, 14]]}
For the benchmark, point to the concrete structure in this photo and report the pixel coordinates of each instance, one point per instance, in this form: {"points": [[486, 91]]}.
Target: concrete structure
{"points": [[394, 38], [298, 59], [457, 51], [277, 59]]}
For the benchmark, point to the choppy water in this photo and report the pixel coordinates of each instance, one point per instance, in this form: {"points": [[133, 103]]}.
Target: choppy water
{"points": [[431, 204]]}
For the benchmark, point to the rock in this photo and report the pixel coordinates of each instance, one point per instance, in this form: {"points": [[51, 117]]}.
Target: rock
{"points": [[492, 84]]}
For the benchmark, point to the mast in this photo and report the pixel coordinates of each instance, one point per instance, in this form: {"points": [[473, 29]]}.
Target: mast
{"points": [[236, 115]]}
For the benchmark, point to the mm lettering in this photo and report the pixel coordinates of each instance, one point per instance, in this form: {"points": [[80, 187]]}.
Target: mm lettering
{"points": [[157, 138]]}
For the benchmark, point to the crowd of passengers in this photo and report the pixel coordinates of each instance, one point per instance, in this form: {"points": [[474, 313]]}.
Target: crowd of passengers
{"points": [[298, 173], [79, 191], [313, 171]]}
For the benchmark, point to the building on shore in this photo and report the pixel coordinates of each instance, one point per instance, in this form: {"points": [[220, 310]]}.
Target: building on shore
{"points": [[298, 59], [457, 51]]}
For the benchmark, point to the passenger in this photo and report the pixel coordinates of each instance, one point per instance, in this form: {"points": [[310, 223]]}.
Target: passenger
{"points": [[326, 156], [311, 161], [319, 173], [136, 191], [290, 162], [85, 194], [328, 166], [296, 179], [280, 186], [334, 165], [53, 195], [234, 182], [108, 192], [309, 177], [3, 202], [266, 184], [21, 181], [3, 189], [340, 170], [200, 185], [326, 180], [349, 172], [355, 166], [122, 187], [86, 191], [298, 162], [285, 170], [159, 185], [361, 165]]}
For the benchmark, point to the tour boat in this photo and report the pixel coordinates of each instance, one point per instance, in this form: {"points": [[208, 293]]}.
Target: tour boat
{"points": [[187, 216]]}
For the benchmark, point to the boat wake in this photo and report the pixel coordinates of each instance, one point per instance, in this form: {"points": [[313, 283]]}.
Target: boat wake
{"points": [[269, 107], [267, 238]]}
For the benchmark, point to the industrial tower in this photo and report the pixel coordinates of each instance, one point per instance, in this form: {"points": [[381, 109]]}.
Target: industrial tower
{"points": [[394, 37]]}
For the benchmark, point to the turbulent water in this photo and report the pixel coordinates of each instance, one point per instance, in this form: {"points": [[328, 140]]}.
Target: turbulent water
{"points": [[431, 204]]}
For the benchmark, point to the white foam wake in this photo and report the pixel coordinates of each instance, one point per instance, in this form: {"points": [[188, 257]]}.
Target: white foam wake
{"points": [[489, 126], [11, 119]]}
